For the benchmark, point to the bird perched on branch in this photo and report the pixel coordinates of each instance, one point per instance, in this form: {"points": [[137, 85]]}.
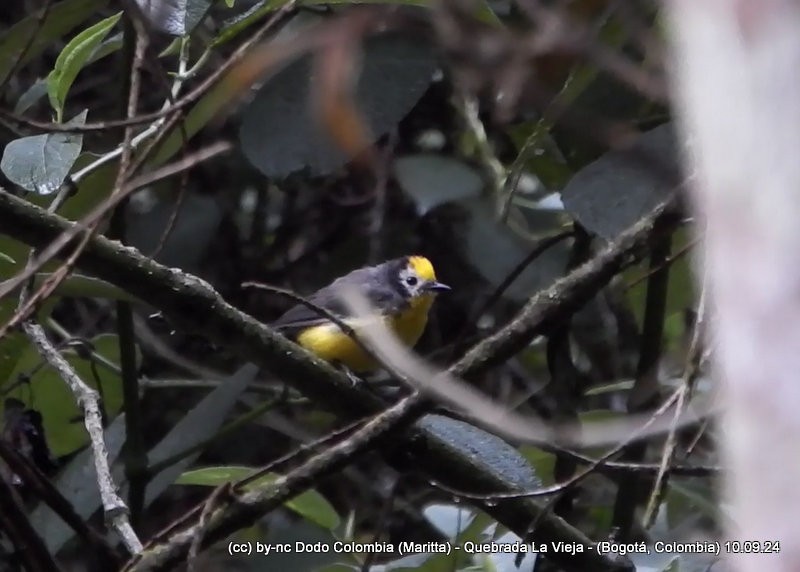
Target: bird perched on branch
{"points": [[402, 291]]}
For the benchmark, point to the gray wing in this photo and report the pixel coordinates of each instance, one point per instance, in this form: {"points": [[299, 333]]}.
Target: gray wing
{"points": [[371, 283]]}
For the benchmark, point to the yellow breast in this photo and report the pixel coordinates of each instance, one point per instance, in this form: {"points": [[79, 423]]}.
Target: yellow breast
{"points": [[331, 344]]}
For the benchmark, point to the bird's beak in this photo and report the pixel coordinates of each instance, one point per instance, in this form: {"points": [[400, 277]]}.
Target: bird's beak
{"points": [[434, 286]]}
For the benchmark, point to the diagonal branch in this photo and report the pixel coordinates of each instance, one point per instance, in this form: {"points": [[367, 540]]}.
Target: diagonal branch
{"points": [[116, 512]]}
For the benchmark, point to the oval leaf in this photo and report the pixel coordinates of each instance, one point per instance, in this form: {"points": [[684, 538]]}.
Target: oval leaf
{"points": [[72, 58], [495, 251], [610, 194], [195, 427], [432, 180], [279, 135], [40, 163]]}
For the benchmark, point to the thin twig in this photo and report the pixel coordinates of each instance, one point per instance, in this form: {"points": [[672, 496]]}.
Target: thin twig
{"points": [[115, 510], [690, 373], [467, 106]]}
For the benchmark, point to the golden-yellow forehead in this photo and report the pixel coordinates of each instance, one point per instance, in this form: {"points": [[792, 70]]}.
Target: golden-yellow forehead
{"points": [[422, 266]]}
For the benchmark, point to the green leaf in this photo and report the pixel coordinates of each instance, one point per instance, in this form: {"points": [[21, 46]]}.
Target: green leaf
{"points": [[62, 17], [78, 285], [49, 394], [40, 163], [310, 505], [237, 24], [38, 89], [541, 461], [73, 58], [681, 288]]}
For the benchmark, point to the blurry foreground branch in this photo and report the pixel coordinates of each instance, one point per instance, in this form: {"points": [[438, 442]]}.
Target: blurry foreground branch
{"points": [[738, 93]]}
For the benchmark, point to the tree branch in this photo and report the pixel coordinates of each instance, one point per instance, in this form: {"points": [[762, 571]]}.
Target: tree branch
{"points": [[114, 508]]}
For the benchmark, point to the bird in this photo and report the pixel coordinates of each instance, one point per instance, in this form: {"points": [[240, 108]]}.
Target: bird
{"points": [[401, 291]]}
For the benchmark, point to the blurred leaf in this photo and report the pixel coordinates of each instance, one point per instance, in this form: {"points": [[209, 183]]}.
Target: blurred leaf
{"points": [[60, 20], [541, 154], [691, 498], [50, 395], [494, 250], [612, 193], [506, 561], [214, 476], [12, 347], [202, 422], [341, 567], [30, 96], [654, 562], [278, 133], [310, 504], [234, 26], [78, 483], [193, 230], [613, 387], [14, 255], [204, 111], [479, 9], [459, 525], [681, 287], [542, 462], [40, 163], [176, 17], [431, 180], [78, 285], [448, 519], [73, 58], [255, 13]]}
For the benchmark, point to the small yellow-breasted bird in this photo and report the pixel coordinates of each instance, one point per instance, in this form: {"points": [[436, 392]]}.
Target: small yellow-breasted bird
{"points": [[401, 290]]}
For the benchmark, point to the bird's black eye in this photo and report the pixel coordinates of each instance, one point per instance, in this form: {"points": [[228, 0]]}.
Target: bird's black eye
{"points": [[412, 280]]}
